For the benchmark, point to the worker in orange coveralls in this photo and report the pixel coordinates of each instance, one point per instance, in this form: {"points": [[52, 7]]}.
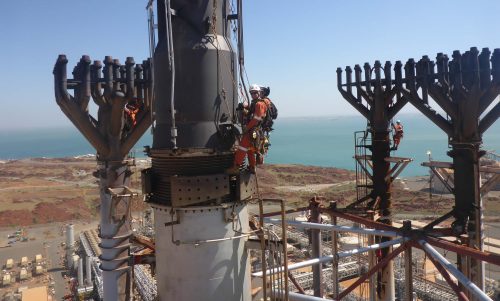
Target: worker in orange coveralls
{"points": [[266, 126], [250, 133], [132, 109], [398, 134]]}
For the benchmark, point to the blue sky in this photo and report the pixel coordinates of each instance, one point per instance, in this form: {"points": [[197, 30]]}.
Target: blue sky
{"points": [[293, 46]]}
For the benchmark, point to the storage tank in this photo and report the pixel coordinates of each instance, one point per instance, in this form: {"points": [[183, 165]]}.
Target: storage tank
{"points": [[39, 270], [9, 264], [80, 272], [24, 261], [70, 235], [74, 261], [88, 270], [70, 241], [6, 279], [23, 274]]}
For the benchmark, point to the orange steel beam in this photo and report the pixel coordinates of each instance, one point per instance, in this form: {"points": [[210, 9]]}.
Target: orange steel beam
{"points": [[357, 219], [143, 240], [464, 250], [269, 214], [297, 285]]}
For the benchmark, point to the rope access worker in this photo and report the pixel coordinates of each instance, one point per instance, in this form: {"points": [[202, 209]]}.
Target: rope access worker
{"points": [[252, 133], [398, 134], [266, 125], [131, 109]]}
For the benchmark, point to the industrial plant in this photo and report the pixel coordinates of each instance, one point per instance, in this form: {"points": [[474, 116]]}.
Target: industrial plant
{"points": [[209, 233]]}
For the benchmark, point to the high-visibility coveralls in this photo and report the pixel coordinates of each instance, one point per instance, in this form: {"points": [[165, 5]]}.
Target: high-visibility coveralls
{"points": [[246, 146], [398, 134], [132, 112]]}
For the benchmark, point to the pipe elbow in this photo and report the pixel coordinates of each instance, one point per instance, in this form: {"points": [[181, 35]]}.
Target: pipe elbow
{"points": [[118, 100], [60, 80]]}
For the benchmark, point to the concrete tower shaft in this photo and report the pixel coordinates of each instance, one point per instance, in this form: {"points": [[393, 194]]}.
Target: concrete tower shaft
{"points": [[204, 256]]}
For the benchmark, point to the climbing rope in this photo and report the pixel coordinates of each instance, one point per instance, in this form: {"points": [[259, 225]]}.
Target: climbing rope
{"points": [[218, 48]]}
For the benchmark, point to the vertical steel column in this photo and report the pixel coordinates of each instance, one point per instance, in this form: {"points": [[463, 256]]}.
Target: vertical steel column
{"points": [[316, 248], [115, 231], [335, 265], [262, 238], [408, 267], [464, 88], [381, 146], [285, 249], [467, 188], [383, 102], [372, 260]]}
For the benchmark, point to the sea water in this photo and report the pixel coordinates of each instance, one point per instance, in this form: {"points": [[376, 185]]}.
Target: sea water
{"points": [[329, 141], [320, 141]]}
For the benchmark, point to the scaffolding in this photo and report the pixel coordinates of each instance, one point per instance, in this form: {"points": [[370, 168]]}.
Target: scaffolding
{"points": [[145, 284], [353, 264]]}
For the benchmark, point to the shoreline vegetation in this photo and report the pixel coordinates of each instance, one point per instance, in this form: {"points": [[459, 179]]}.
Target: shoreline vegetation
{"points": [[38, 191]]}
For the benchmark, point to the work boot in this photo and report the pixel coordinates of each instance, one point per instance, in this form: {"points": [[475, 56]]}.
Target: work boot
{"points": [[234, 170]]}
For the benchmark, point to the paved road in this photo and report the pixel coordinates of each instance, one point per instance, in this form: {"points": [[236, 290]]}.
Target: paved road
{"points": [[55, 253]]}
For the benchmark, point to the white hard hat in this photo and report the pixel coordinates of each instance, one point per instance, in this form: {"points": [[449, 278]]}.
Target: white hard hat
{"points": [[398, 121], [254, 87]]}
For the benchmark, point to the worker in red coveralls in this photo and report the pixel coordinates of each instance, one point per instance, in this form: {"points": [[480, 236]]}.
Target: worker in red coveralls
{"points": [[250, 133]]}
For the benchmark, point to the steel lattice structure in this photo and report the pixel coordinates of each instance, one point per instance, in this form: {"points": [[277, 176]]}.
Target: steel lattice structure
{"points": [[465, 88]]}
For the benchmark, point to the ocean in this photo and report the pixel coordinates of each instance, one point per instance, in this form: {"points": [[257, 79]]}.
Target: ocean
{"points": [[320, 141]]}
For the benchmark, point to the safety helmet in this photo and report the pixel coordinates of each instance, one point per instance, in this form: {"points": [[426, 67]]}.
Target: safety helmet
{"points": [[398, 121], [255, 88]]}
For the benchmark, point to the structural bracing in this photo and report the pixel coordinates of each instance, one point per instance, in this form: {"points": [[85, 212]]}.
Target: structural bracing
{"points": [[407, 239], [466, 89]]}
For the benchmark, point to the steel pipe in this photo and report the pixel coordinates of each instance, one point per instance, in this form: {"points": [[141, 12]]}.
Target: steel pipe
{"points": [[329, 258], [316, 246], [372, 247], [299, 297], [466, 282], [307, 225]]}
